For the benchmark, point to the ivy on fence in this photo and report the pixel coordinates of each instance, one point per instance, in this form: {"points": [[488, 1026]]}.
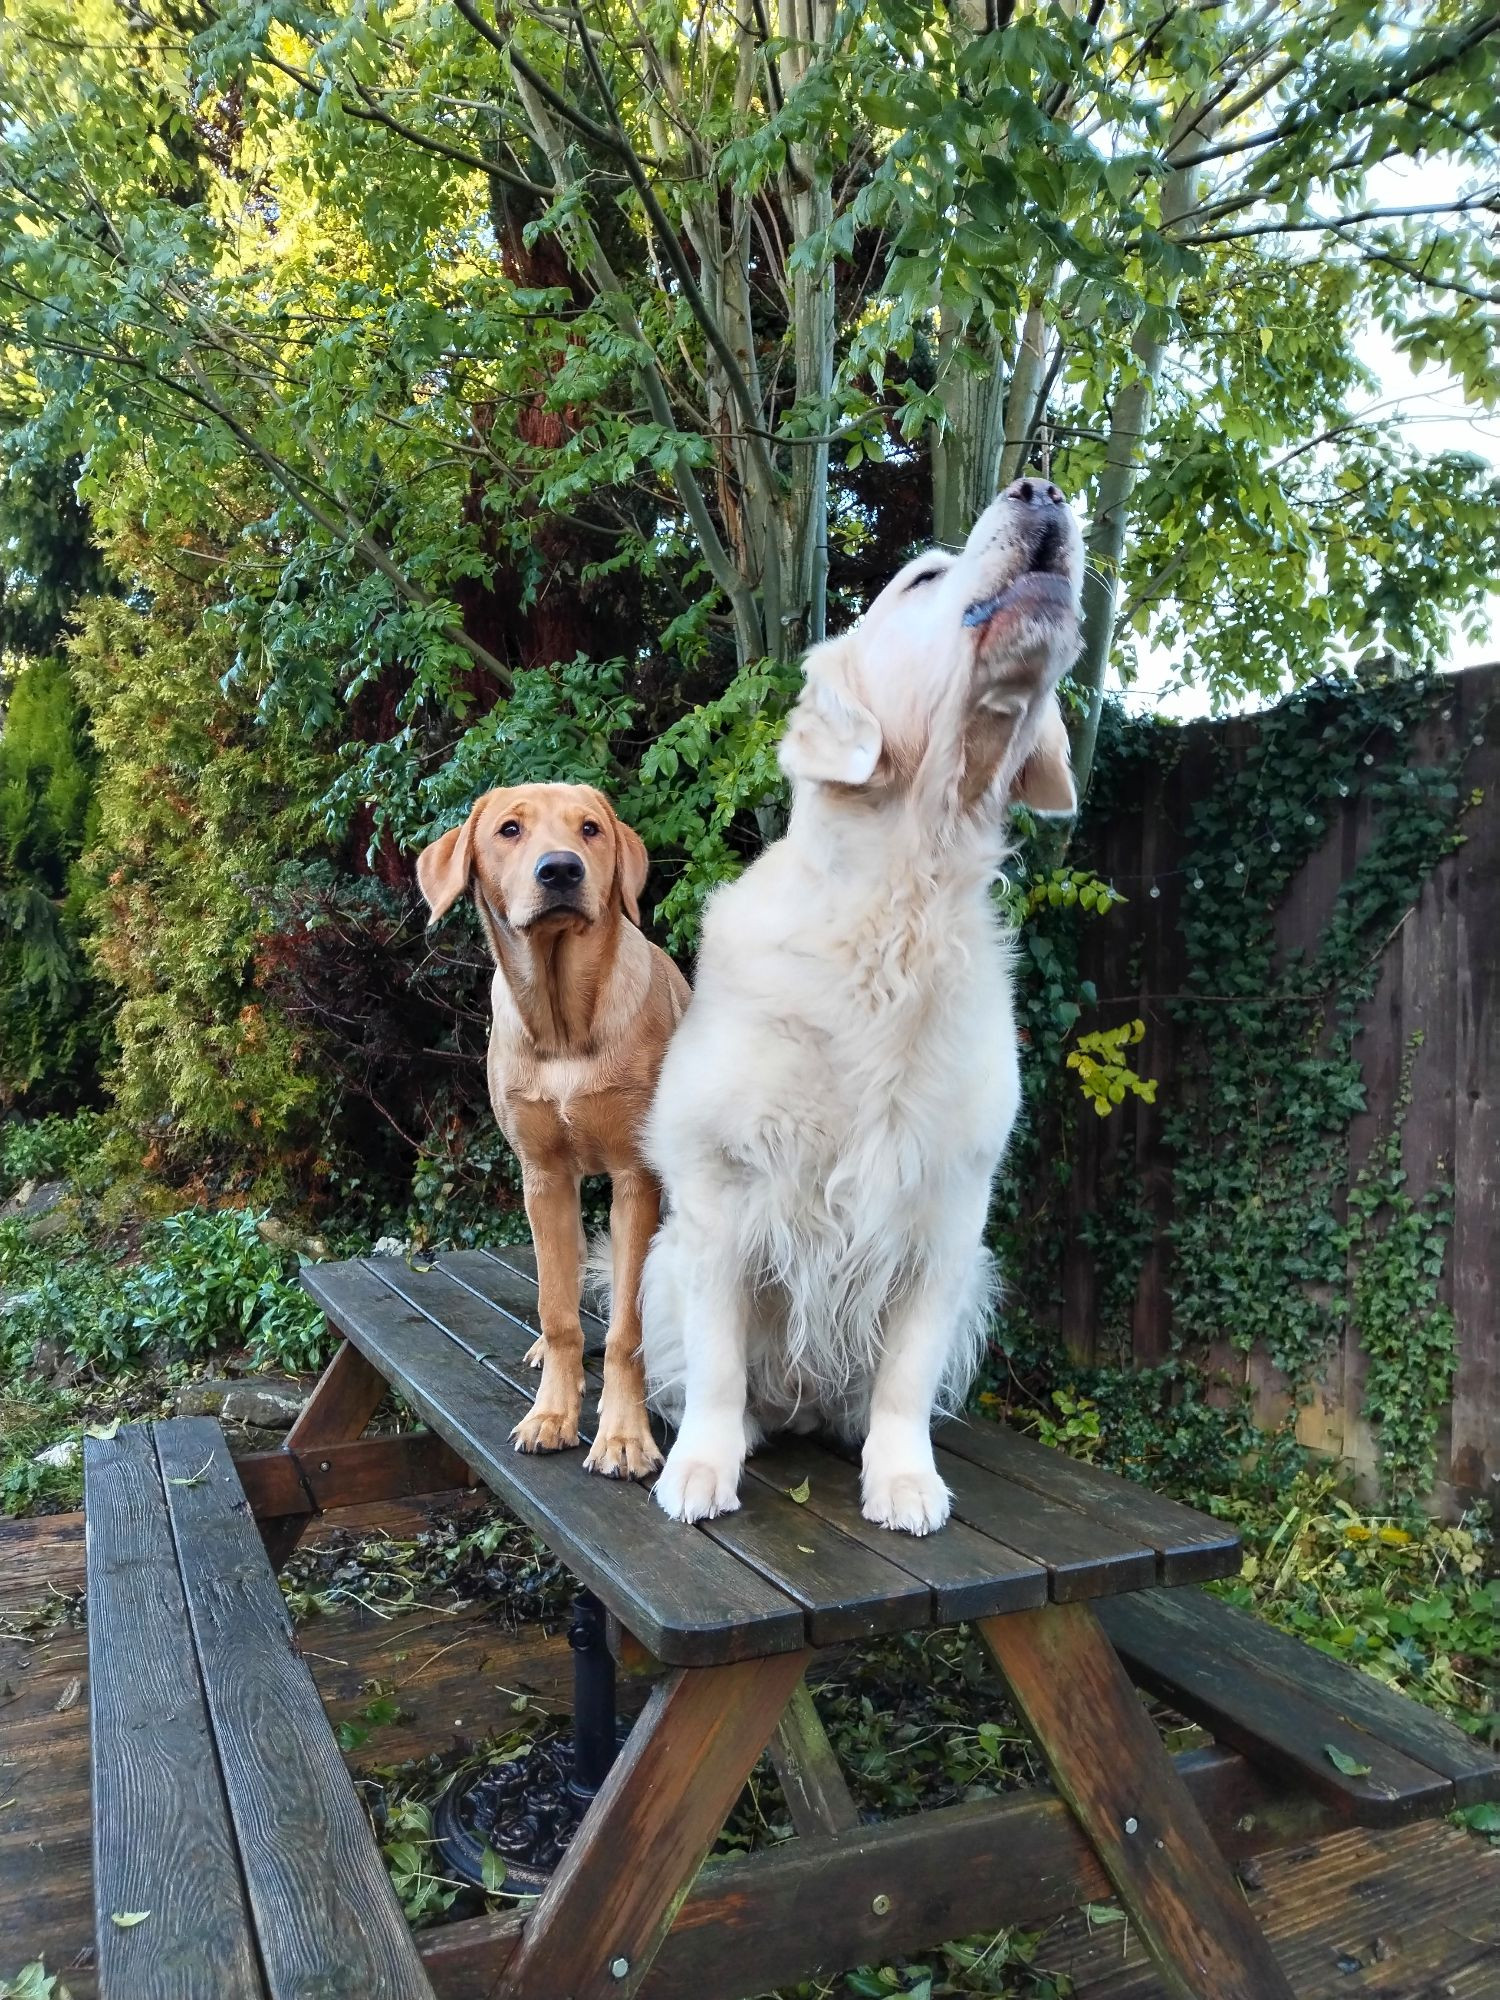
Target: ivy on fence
{"points": [[1272, 1246]]}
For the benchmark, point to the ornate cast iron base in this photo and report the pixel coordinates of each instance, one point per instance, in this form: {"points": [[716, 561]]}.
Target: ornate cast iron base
{"points": [[528, 1810]]}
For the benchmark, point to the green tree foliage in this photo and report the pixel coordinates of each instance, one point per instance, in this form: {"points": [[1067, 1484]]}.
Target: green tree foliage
{"points": [[51, 1019], [198, 809], [461, 396], [647, 336]]}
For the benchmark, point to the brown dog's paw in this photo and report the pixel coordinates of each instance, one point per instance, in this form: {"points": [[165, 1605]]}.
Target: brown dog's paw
{"points": [[546, 1430], [536, 1354], [624, 1449]]}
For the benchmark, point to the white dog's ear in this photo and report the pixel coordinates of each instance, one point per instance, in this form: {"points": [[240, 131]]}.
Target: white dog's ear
{"points": [[832, 737], [445, 866], [1044, 782]]}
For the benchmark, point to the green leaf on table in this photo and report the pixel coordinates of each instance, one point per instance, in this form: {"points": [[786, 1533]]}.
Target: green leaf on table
{"points": [[1342, 1761], [126, 1920], [800, 1494]]}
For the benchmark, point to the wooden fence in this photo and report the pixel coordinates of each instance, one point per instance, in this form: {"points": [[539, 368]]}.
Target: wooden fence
{"points": [[1439, 978]]}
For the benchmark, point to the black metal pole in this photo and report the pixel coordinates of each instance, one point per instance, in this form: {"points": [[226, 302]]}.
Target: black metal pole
{"points": [[594, 1727]]}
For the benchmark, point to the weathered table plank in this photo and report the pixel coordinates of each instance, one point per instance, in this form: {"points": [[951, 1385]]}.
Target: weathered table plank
{"points": [[326, 1917], [163, 1847], [1082, 1558], [1190, 1547], [691, 1605], [852, 1578], [970, 1574]]}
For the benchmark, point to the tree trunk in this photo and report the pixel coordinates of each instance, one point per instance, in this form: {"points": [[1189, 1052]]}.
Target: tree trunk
{"points": [[1129, 426]]}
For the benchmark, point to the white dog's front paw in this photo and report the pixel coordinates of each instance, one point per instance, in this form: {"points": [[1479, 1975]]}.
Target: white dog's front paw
{"points": [[915, 1501], [695, 1486]]}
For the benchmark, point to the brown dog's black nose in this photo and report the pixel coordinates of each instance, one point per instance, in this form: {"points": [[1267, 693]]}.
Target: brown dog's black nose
{"points": [[560, 870], [1034, 492]]}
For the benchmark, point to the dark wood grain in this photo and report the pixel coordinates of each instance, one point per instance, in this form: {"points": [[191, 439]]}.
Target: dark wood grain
{"points": [[162, 1838], [1110, 1765], [807, 1767], [969, 1574], [347, 1395], [599, 1922], [326, 1918], [807, 1910], [1028, 1532], [852, 1580], [1269, 1692], [686, 1600], [1083, 1558], [507, 1278], [1190, 1547], [847, 1591], [499, 1339], [349, 1475]]}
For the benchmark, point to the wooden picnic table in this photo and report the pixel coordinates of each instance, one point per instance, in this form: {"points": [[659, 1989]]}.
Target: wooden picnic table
{"points": [[213, 1761], [736, 1609]]}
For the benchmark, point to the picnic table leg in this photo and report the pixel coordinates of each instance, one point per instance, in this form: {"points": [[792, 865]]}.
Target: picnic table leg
{"points": [[804, 1760], [345, 1397], [599, 1922], [1113, 1770]]}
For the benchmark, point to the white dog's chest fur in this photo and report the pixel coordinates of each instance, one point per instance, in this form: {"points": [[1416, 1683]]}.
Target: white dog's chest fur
{"points": [[846, 1071]]}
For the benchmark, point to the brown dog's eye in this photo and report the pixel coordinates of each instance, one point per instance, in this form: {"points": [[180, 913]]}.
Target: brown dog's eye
{"points": [[510, 829], [590, 828]]}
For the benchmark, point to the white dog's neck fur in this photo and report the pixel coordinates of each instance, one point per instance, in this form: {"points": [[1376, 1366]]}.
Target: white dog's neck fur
{"points": [[837, 1098]]}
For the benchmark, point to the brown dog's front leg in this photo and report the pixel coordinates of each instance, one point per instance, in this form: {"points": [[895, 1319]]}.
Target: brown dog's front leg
{"points": [[552, 1210], [624, 1447]]}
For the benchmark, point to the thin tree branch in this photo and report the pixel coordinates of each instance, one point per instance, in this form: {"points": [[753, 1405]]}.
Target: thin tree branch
{"points": [[1466, 204], [1479, 30], [375, 114]]}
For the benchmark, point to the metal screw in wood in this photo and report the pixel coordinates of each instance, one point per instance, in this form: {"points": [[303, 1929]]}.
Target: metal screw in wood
{"points": [[881, 1905], [619, 1968]]}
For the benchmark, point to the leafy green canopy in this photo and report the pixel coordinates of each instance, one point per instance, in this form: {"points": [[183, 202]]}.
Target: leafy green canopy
{"points": [[649, 338]]}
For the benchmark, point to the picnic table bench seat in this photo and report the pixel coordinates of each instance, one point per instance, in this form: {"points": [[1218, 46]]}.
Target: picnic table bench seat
{"points": [[232, 1857]]}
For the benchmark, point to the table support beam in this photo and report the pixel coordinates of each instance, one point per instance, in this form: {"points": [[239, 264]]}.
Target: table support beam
{"points": [[1113, 1770], [601, 1919]]}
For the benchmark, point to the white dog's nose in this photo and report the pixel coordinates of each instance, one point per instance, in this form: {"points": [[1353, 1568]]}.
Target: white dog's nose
{"points": [[1034, 492]]}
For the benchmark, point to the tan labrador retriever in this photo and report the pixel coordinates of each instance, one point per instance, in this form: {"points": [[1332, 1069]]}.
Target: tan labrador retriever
{"points": [[583, 1007]]}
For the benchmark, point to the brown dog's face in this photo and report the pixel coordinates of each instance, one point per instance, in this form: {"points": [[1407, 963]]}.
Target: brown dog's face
{"points": [[540, 855]]}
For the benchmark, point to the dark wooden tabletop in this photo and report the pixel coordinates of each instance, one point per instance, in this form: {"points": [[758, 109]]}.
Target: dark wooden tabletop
{"points": [[1028, 1524]]}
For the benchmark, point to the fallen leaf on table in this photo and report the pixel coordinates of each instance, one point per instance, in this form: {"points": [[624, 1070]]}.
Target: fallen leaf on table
{"points": [[128, 1919], [1342, 1761], [800, 1493]]}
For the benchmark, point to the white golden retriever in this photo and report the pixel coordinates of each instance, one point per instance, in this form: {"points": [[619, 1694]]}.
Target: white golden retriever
{"points": [[835, 1102]]}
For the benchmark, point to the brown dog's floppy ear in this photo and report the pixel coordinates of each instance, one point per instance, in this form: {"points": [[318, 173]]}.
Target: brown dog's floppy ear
{"points": [[1044, 782], [445, 866], [631, 864], [832, 737]]}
